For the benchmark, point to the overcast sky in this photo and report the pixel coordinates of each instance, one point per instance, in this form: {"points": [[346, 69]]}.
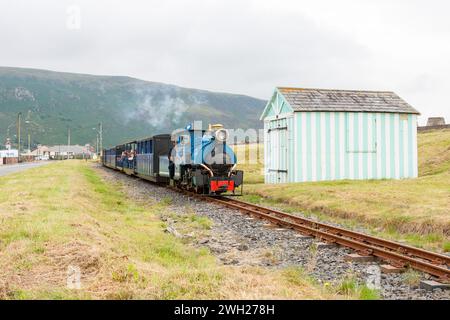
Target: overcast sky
{"points": [[246, 47]]}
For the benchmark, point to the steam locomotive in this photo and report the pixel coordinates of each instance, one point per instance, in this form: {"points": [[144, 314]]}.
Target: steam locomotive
{"points": [[192, 159]]}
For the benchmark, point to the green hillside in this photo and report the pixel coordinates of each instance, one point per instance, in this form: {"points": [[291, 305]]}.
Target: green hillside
{"points": [[128, 107]]}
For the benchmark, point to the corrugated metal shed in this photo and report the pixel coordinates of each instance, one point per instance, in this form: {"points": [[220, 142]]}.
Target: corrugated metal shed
{"points": [[345, 100]]}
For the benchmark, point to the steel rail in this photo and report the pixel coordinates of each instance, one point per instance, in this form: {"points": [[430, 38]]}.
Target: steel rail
{"points": [[397, 254], [432, 257]]}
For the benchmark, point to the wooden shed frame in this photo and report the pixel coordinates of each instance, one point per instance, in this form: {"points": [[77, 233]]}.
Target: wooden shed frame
{"points": [[338, 134]]}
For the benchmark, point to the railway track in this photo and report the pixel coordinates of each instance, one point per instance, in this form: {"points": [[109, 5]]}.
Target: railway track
{"points": [[396, 254]]}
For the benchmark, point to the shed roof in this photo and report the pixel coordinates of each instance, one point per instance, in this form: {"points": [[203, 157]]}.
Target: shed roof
{"points": [[302, 99]]}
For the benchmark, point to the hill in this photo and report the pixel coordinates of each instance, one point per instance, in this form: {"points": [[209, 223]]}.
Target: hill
{"points": [[128, 107]]}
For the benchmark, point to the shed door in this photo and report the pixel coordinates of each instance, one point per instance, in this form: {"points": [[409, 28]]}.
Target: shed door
{"points": [[278, 163], [282, 169]]}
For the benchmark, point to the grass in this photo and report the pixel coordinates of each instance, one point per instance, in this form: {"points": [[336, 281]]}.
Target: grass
{"points": [[412, 210], [250, 158], [446, 246], [350, 286], [65, 214], [411, 277], [434, 152]]}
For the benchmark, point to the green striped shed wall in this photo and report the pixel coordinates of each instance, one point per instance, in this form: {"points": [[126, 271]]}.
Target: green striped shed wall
{"points": [[321, 146]]}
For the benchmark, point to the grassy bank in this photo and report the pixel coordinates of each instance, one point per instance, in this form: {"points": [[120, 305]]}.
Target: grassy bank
{"points": [[415, 210], [64, 217]]}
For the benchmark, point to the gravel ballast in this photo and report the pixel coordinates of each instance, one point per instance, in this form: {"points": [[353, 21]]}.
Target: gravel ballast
{"points": [[238, 239]]}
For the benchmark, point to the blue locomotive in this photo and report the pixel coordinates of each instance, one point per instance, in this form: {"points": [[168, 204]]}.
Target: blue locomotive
{"points": [[193, 159]]}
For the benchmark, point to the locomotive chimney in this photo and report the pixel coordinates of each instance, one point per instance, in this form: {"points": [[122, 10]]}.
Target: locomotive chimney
{"points": [[214, 127]]}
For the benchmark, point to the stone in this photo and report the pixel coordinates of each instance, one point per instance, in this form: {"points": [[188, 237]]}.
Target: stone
{"points": [[173, 231], [242, 247], [325, 245], [302, 236]]}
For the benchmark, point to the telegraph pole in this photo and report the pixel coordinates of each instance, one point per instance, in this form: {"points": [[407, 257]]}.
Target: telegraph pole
{"points": [[96, 145], [19, 118], [68, 142], [29, 143], [101, 137]]}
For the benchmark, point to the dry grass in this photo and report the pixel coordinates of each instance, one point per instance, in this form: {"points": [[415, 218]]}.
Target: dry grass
{"points": [[250, 159], [411, 277], [64, 215], [434, 152], [414, 210]]}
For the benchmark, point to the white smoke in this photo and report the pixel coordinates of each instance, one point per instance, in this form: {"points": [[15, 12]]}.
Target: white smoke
{"points": [[158, 111], [21, 93], [199, 99]]}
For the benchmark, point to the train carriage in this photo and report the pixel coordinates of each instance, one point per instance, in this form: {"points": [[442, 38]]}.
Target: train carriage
{"points": [[109, 158], [152, 160], [129, 158], [120, 149]]}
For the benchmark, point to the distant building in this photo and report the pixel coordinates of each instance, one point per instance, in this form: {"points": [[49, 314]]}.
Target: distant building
{"points": [[320, 135], [435, 121], [9, 153], [9, 156], [73, 151]]}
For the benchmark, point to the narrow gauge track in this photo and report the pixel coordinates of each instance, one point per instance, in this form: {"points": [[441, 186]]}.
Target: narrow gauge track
{"points": [[394, 253]]}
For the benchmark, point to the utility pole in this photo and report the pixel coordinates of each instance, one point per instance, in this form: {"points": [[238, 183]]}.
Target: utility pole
{"points": [[19, 118], [96, 145], [9, 127], [29, 143], [68, 142], [101, 137]]}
